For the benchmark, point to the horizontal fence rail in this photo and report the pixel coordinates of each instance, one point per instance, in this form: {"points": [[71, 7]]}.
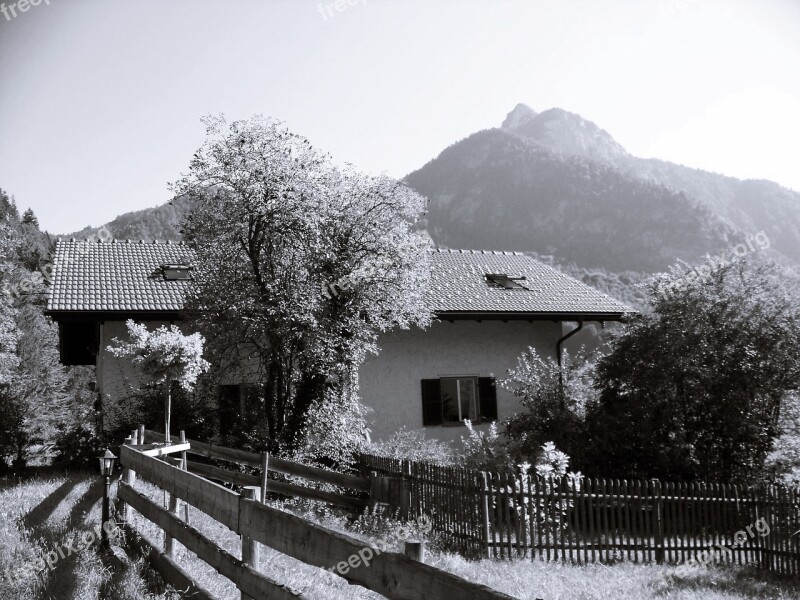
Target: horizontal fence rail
{"points": [[393, 575], [587, 520], [247, 579], [274, 465]]}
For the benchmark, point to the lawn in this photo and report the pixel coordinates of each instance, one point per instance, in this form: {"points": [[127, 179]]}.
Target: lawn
{"points": [[39, 514], [42, 514]]}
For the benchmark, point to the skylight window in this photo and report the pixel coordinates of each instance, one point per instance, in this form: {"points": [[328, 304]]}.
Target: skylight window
{"points": [[176, 272], [505, 282]]}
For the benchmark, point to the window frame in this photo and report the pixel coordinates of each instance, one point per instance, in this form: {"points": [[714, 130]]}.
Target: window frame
{"points": [[504, 281], [477, 403]]}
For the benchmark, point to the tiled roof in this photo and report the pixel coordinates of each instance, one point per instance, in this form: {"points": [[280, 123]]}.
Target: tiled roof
{"points": [[123, 276], [458, 285], [116, 275]]}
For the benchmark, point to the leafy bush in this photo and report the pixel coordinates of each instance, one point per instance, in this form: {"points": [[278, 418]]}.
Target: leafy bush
{"points": [[335, 431], [78, 447], [486, 451], [554, 404], [695, 390], [412, 444], [783, 462]]}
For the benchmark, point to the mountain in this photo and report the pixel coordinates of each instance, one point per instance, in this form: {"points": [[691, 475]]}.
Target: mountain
{"points": [[555, 183], [497, 191], [159, 223]]}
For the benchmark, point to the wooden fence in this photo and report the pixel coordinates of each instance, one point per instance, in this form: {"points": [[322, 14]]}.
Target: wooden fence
{"points": [[587, 520], [393, 575], [355, 488]]}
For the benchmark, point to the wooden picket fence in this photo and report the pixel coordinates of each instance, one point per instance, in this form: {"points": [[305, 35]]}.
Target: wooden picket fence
{"points": [[597, 520], [393, 575]]}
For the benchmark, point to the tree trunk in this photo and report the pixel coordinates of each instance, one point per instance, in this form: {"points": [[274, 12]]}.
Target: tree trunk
{"points": [[310, 391]]}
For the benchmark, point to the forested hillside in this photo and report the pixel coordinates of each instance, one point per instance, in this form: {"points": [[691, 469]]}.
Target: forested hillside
{"points": [[46, 409]]}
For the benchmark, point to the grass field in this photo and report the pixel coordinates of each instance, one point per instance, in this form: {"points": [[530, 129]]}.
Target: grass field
{"points": [[39, 514]]}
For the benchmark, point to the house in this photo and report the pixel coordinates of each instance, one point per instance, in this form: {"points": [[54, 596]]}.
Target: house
{"points": [[489, 307]]}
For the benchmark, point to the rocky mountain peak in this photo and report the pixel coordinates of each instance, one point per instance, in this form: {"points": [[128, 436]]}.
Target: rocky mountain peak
{"points": [[565, 133], [521, 114]]}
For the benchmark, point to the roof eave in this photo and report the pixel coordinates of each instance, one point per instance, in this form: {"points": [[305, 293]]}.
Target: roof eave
{"points": [[530, 316], [113, 315]]}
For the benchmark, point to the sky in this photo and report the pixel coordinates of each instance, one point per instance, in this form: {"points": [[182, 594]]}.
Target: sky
{"points": [[101, 100]]}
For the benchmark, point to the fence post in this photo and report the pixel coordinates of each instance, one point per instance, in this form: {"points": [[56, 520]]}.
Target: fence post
{"points": [[415, 551], [185, 467], [374, 489], [405, 467], [251, 550], [659, 518], [763, 551], [169, 542], [484, 500], [126, 477], [264, 475]]}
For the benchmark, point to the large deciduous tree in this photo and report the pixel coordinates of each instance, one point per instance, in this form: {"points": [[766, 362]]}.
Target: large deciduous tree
{"points": [[301, 263], [695, 389]]}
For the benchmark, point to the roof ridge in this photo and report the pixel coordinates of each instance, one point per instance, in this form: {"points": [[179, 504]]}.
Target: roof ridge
{"points": [[484, 252], [121, 241]]}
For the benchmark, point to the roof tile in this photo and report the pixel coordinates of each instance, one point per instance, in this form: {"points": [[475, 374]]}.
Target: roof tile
{"points": [[97, 276]]}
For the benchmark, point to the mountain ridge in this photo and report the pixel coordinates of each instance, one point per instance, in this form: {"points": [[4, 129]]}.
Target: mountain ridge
{"points": [[555, 183]]}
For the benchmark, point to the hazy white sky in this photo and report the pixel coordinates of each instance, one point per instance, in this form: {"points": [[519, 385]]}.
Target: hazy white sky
{"points": [[100, 100]]}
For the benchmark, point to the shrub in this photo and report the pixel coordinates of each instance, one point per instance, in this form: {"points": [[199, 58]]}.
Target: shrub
{"points": [[486, 451], [412, 444], [554, 407], [78, 447]]}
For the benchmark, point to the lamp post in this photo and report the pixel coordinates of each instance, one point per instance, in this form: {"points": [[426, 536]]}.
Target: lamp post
{"points": [[106, 469]]}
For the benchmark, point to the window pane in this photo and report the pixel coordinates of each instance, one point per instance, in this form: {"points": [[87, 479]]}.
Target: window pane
{"points": [[468, 399], [450, 400]]}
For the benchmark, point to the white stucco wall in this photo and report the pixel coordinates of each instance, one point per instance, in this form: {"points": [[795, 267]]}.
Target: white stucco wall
{"points": [[390, 382]]}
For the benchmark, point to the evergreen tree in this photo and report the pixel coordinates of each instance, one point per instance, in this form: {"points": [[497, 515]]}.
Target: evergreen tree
{"points": [[28, 218]]}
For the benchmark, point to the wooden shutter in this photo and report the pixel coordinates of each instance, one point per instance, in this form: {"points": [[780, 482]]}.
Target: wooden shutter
{"points": [[487, 395], [431, 402]]}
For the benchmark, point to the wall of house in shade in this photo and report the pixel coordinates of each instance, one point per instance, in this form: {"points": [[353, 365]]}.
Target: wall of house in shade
{"points": [[117, 379], [391, 382]]}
